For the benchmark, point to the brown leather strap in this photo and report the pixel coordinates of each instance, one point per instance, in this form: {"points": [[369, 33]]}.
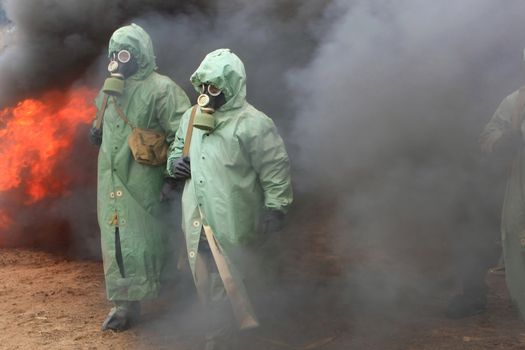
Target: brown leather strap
{"points": [[121, 113], [519, 111], [100, 115], [189, 132]]}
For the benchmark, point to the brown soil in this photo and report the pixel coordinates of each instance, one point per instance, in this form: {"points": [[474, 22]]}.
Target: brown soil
{"points": [[48, 302]]}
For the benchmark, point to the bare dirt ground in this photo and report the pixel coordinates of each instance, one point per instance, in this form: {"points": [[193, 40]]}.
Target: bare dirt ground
{"points": [[48, 302]]}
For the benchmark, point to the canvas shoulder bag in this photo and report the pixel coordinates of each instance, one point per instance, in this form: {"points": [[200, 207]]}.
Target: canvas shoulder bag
{"points": [[148, 147]]}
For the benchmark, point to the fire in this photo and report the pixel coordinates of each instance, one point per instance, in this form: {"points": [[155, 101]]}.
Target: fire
{"points": [[36, 135], [5, 220]]}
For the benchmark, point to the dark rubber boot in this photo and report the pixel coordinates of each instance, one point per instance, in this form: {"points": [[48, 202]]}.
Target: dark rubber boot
{"points": [[116, 320], [122, 316]]}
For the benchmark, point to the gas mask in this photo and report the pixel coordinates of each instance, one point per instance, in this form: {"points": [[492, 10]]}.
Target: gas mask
{"points": [[122, 65], [210, 99]]}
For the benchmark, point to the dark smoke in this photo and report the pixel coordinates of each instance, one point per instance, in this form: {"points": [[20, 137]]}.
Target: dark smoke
{"points": [[53, 42], [264, 34]]}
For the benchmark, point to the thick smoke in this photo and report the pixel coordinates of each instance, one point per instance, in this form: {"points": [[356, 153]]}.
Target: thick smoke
{"points": [[53, 42], [389, 112], [265, 35]]}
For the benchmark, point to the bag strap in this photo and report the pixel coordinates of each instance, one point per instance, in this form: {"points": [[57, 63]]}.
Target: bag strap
{"points": [[519, 112], [100, 114], [121, 113], [189, 133]]}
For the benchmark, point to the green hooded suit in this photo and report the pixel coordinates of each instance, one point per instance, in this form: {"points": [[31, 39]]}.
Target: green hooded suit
{"points": [[237, 170], [128, 192], [508, 120]]}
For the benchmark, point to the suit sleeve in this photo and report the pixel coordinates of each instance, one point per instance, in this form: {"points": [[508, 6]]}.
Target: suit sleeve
{"points": [[270, 160], [499, 125], [176, 147], [170, 108]]}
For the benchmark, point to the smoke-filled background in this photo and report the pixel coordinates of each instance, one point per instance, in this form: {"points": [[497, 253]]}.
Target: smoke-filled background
{"points": [[379, 102]]}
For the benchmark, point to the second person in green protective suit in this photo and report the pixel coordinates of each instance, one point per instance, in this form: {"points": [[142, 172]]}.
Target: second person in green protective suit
{"points": [[237, 189], [503, 139], [133, 235]]}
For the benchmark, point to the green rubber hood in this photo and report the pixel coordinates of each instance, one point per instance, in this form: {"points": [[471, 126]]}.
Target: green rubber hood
{"points": [[135, 39], [225, 70]]}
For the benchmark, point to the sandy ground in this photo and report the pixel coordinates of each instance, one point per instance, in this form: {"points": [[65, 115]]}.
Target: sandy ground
{"points": [[48, 302]]}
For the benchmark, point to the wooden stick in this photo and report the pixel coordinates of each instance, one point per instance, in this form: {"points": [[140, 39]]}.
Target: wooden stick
{"points": [[240, 303]]}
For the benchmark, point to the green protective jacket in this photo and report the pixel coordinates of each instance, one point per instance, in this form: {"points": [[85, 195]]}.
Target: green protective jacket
{"points": [[128, 192], [237, 170], [513, 214]]}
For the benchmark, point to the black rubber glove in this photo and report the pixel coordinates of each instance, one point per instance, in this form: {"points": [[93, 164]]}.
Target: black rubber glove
{"points": [[504, 150], [273, 221], [181, 169], [95, 136], [509, 142], [169, 189]]}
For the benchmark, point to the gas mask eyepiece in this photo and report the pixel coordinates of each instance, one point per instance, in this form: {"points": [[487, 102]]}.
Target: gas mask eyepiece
{"points": [[210, 99], [210, 89], [121, 66], [123, 56]]}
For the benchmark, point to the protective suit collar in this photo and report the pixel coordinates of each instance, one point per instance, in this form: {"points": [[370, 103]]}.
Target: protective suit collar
{"points": [[225, 70]]}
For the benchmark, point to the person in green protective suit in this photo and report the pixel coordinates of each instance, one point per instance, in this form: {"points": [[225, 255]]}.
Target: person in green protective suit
{"points": [[502, 139], [133, 234], [237, 183]]}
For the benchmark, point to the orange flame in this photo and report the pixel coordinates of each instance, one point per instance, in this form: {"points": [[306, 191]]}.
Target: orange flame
{"points": [[35, 136], [5, 220]]}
